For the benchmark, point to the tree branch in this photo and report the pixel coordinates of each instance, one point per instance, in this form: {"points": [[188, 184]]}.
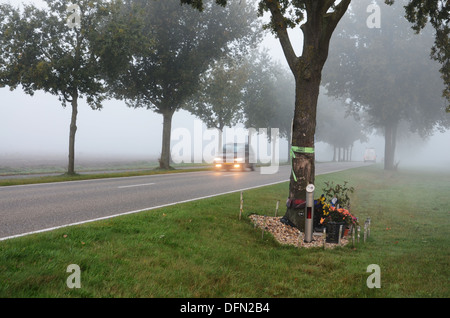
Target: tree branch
{"points": [[334, 17], [283, 36], [65, 96]]}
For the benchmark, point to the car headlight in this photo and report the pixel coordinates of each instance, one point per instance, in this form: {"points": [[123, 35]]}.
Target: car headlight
{"points": [[239, 160]]}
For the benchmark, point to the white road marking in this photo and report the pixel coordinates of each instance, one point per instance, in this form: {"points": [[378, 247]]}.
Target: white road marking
{"points": [[135, 185], [137, 211], [97, 179], [145, 209]]}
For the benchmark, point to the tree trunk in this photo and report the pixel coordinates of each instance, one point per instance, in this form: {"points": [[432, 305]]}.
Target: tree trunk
{"points": [[289, 143], [220, 145], [390, 138], [303, 161], [164, 161], [334, 153], [307, 70], [73, 130], [351, 152]]}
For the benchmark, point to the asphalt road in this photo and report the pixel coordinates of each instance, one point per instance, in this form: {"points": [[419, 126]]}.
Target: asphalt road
{"points": [[41, 207]]}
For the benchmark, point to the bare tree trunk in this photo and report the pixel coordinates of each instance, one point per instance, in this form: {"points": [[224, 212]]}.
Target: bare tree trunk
{"points": [[390, 137], [351, 152], [220, 140], [73, 130], [164, 161]]}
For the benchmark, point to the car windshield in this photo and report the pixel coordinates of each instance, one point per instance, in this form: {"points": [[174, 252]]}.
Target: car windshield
{"points": [[230, 148]]}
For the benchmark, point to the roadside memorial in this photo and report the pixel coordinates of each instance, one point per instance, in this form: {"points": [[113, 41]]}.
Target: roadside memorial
{"points": [[333, 224]]}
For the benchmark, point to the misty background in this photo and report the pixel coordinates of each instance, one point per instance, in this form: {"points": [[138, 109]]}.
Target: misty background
{"points": [[34, 130]]}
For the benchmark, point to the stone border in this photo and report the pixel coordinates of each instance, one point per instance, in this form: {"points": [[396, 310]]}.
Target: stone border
{"points": [[289, 235]]}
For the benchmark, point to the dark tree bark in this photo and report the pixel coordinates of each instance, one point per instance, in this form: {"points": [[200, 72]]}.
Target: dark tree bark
{"points": [[73, 130], [164, 161], [390, 138]]}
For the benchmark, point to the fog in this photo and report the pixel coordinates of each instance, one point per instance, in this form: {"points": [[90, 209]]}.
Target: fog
{"points": [[432, 153], [35, 129]]}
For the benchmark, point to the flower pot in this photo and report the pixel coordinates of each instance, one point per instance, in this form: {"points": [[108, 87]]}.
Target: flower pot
{"points": [[333, 231], [347, 229], [345, 232]]}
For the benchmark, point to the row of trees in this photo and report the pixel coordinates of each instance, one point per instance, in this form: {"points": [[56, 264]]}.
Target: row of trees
{"points": [[254, 91], [152, 54], [386, 74], [337, 128]]}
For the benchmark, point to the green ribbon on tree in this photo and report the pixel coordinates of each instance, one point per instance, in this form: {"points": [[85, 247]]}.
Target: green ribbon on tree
{"points": [[295, 149]]}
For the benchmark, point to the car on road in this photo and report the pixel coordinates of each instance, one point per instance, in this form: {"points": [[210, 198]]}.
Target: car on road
{"points": [[235, 156], [370, 155]]}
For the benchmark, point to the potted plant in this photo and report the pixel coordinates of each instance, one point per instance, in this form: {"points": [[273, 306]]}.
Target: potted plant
{"points": [[339, 194], [335, 213], [333, 218]]}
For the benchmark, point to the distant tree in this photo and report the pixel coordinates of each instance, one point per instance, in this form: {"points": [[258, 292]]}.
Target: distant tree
{"points": [[219, 100], [337, 127], [437, 13], [386, 73], [184, 43], [268, 99], [40, 50]]}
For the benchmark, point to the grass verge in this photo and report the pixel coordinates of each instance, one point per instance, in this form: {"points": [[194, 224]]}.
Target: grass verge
{"points": [[66, 177], [202, 249]]}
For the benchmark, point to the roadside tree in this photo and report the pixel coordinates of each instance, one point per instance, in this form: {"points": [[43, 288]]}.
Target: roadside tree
{"points": [[317, 19], [184, 44], [67, 53]]}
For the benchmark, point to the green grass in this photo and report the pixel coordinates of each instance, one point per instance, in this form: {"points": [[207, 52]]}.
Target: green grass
{"points": [[202, 249]]}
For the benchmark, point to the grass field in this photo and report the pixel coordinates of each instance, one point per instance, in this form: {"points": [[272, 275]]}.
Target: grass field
{"points": [[202, 249]]}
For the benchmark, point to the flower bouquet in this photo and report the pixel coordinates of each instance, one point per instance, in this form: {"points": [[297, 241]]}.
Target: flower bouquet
{"points": [[333, 214]]}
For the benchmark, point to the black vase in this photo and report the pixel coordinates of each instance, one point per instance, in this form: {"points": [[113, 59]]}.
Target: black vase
{"points": [[333, 231]]}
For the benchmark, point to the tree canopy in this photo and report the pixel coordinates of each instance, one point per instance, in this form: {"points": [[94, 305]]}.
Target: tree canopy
{"points": [[437, 13], [184, 44], [386, 73], [268, 99], [41, 50], [219, 100]]}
